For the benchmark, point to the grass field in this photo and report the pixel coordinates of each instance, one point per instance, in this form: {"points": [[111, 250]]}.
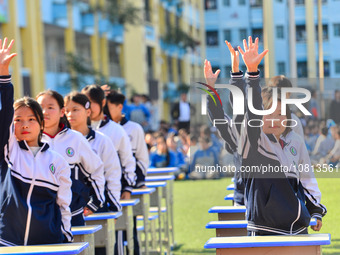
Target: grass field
{"points": [[192, 200]]}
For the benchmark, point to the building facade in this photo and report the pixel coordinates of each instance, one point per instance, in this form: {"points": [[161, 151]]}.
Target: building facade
{"points": [[234, 20], [137, 58]]}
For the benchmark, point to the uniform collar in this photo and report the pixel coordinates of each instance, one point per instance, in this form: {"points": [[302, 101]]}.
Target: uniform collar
{"points": [[91, 135], [62, 130], [123, 121], [23, 145], [281, 141], [104, 121]]}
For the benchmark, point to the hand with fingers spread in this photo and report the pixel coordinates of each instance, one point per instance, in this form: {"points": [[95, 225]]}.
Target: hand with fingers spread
{"points": [[235, 58], [209, 76], [250, 55], [5, 56]]}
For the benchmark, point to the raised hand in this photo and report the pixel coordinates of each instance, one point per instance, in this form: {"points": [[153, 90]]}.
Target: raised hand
{"points": [[209, 76], [250, 55], [235, 58], [5, 56]]}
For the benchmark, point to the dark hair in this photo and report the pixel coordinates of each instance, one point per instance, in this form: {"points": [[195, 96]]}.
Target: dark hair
{"points": [[204, 139], [36, 109], [95, 93], [60, 101], [193, 138], [81, 99], [167, 151], [115, 97], [267, 97], [280, 81], [324, 131]]}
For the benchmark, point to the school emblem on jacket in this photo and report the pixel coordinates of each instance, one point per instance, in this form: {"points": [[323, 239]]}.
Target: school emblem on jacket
{"points": [[70, 151], [52, 168], [293, 150]]}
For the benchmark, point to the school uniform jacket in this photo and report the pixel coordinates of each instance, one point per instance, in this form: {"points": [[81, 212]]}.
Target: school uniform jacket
{"points": [[35, 191], [103, 147], [277, 202], [230, 132], [122, 144], [87, 169], [139, 148]]}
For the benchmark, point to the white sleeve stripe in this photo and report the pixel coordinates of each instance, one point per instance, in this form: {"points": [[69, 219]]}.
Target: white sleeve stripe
{"points": [[94, 185]]}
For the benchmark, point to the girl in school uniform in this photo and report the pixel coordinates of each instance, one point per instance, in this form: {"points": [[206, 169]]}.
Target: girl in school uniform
{"points": [[35, 188], [162, 157], [87, 169], [118, 136], [77, 111], [278, 202]]}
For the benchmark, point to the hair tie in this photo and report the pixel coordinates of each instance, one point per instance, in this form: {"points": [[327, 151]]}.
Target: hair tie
{"points": [[87, 105]]}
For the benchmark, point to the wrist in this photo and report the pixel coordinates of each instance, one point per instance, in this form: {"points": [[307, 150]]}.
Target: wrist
{"points": [[4, 71], [252, 69]]}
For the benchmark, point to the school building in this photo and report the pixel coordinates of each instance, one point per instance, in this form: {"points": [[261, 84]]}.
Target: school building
{"points": [[292, 51], [156, 55]]}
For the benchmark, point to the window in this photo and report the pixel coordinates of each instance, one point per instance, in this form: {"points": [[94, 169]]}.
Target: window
{"points": [[227, 35], [324, 32], [299, 2], [210, 4], [302, 69], [170, 72], [179, 70], [257, 32], [301, 33], [326, 69], [337, 66], [242, 2], [147, 11], [279, 32], [212, 38], [337, 30], [243, 34], [150, 62], [256, 3], [281, 68], [226, 2]]}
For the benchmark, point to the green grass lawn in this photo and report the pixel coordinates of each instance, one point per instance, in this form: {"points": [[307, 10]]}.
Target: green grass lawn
{"points": [[192, 200]]}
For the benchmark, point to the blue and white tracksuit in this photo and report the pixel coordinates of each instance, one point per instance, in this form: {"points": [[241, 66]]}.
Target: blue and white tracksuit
{"points": [[103, 147], [139, 148], [278, 202], [122, 144], [87, 171], [35, 191]]}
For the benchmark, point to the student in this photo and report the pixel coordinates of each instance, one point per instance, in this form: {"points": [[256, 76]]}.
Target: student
{"points": [[77, 111], [118, 136], [323, 146], [281, 81], [86, 167], [162, 157], [203, 159], [231, 134], [277, 202], [114, 106], [333, 157], [35, 188]]}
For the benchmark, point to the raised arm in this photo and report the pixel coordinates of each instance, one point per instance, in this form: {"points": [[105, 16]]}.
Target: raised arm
{"points": [[252, 59], [6, 92]]}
